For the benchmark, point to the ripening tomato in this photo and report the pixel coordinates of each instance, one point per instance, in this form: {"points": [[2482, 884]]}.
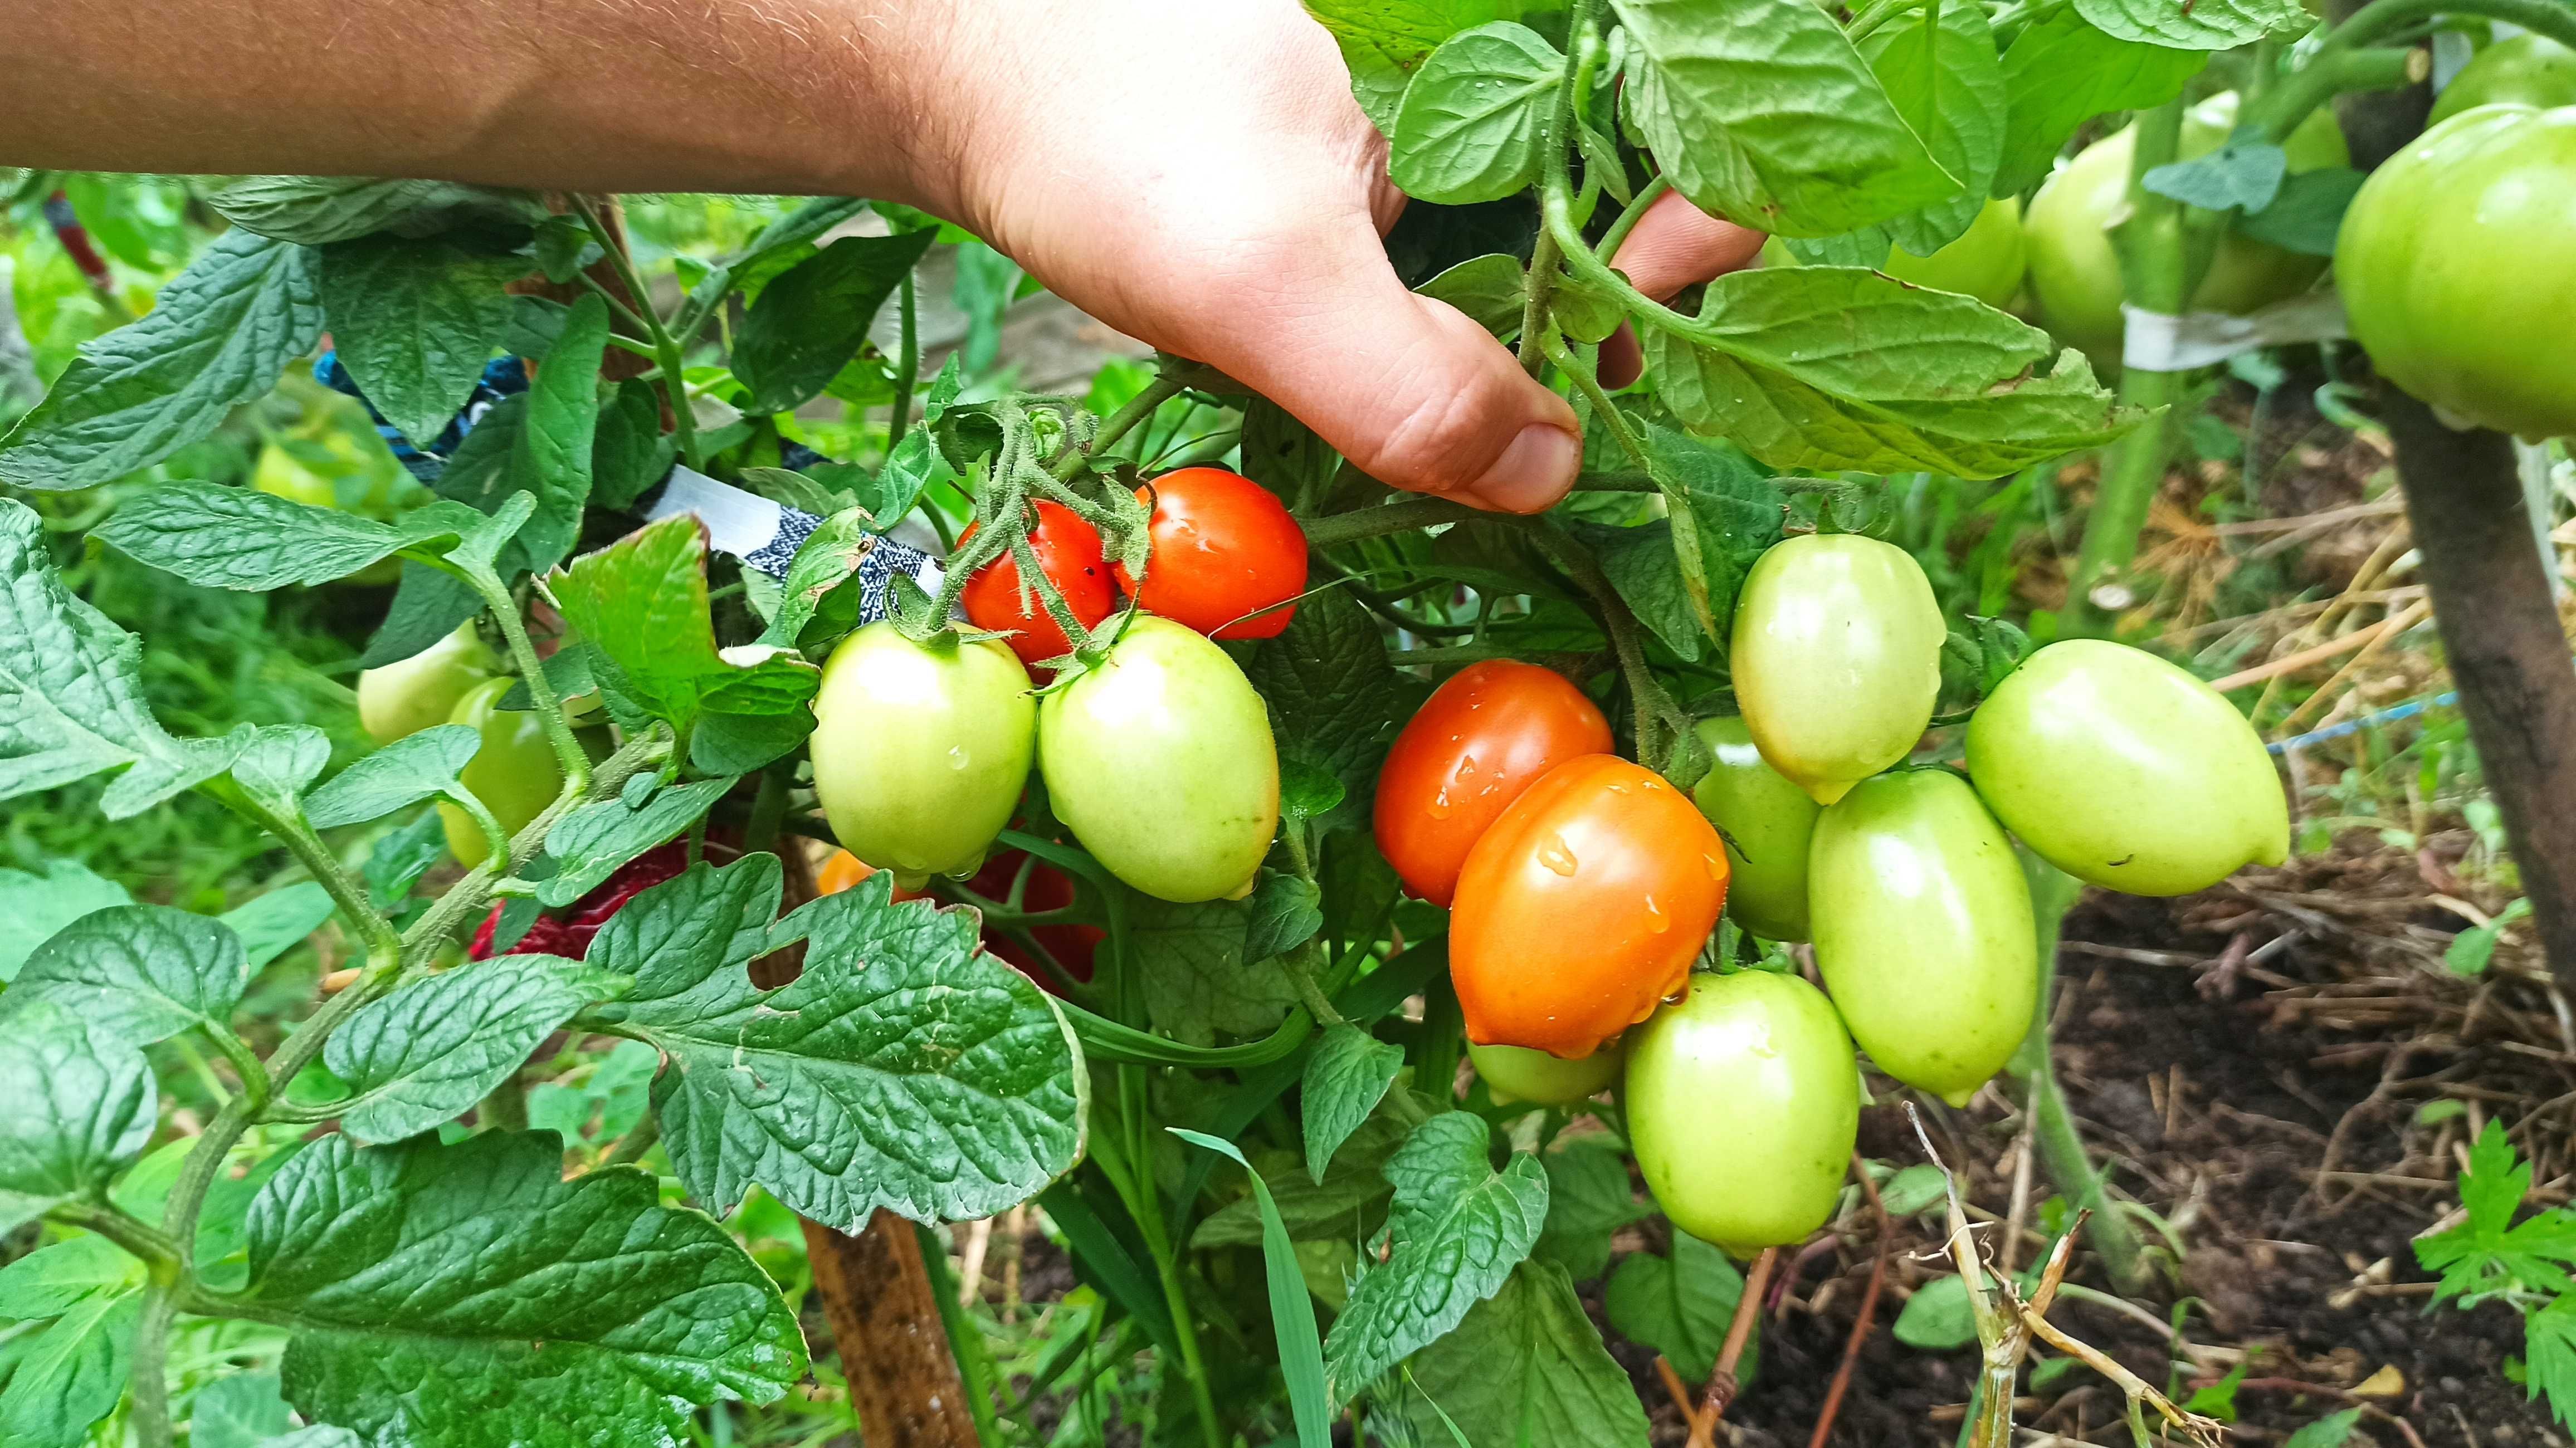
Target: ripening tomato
{"points": [[2457, 263], [1224, 546], [2125, 771], [1161, 762], [921, 753], [1068, 552], [1837, 658], [1582, 907], [1514, 1074], [2075, 270], [1481, 738], [1048, 888], [844, 871], [1985, 262], [1923, 929], [1743, 1104], [514, 773], [2521, 70], [403, 698], [1767, 822]]}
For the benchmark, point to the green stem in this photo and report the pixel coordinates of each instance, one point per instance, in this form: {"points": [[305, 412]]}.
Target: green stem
{"points": [[1647, 195], [542, 699], [1335, 529], [666, 347], [347, 891], [132, 1233], [907, 365], [2053, 1130], [2282, 110], [1653, 708], [496, 840], [1119, 424], [149, 1372], [965, 1340]]}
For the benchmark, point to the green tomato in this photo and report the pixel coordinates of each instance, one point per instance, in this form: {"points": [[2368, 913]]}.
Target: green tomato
{"points": [[2075, 272], [1986, 262], [401, 699], [1515, 1073], [2126, 772], [2457, 263], [1743, 1102], [2522, 70], [281, 474], [1924, 932], [1161, 761], [1837, 658], [920, 753], [514, 773], [1767, 822]]}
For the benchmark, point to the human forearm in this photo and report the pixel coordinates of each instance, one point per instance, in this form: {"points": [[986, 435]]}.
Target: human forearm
{"points": [[596, 95]]}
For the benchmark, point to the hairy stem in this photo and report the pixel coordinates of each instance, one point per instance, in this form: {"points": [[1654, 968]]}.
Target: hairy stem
{"points": [[542, 699], [907, 365], [1335, 529], [666, 347], [1118, 425]]}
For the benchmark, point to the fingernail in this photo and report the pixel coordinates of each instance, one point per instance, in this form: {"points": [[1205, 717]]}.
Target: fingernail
{"points": [[1533, 472]]}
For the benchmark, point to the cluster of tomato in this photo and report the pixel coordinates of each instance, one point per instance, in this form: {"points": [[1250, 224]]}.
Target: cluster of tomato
{"points": [[1582, 887], [1158, 757]]}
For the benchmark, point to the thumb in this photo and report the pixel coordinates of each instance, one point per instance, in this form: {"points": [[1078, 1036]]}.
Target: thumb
{"points": [[1409, 389]]}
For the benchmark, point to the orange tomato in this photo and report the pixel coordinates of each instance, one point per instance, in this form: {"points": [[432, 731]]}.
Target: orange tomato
{"points": [[1476, 743], [1583, 907], [1224, 546], [845, 870]]}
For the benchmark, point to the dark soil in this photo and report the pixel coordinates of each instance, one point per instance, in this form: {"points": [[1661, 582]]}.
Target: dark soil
{"points": [[2218, 1094]]}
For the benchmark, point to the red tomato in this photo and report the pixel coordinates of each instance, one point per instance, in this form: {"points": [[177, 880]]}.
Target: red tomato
{"points": [[1583, 907], [1049, 889], [1476, 743], [1224, 546], [1069, 551]]}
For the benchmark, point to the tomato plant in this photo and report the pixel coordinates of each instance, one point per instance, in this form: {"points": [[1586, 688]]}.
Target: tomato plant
{"points": [[1225, 548], [1582, 907], [1161, 763], [920, 751], [2075, 272], [1068, 552], [1767, 823], [2125, 771], [2455, 261], [514, 772], [1923, 930], [1765, 1170], [1489, 731], [1837, 659]]}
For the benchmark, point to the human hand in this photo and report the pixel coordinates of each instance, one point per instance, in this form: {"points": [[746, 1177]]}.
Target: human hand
{"points": [[1197, 175]]}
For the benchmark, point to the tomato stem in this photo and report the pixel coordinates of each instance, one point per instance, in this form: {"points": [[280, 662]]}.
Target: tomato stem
{"points": [[666, 347]]}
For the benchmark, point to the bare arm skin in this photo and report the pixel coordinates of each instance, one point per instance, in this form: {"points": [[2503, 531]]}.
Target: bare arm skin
{"points": [[1193, 172]]}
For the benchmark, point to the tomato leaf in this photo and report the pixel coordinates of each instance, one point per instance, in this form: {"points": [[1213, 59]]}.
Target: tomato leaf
{"points": [[1283, 916], [590, 843], [81, 1108], [550, 456], [244, 539], [39, 905], [1942, 73], [1345, 1206], [1385, 41], [1765, 114], [1468, 127], [72, 1374], [904, 1069], [137, 973], [424, 1054], [414, 322], [812, 318], [318, 209], [1346, 1077], [1333, 697], [242, 1411], [1526, 1366], [217, 338], [2061, 72], [1640, 564], [2200, 25], [1198, 981], [2243, 175], [1835, 368], [1491, 289], [1459, 1229], [50, 1281], [457, 1296], [411, 769], [1589, 1199], [779, 245], [1680, 1305], [427, 606], [2308, 213], [1740, 512], [272, 924]]}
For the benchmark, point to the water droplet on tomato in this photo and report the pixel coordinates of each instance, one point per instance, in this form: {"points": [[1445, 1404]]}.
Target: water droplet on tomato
{"points": [[1439, 809], [957, 756], [1716, 866], [1656, 920], [1556, 856]]}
